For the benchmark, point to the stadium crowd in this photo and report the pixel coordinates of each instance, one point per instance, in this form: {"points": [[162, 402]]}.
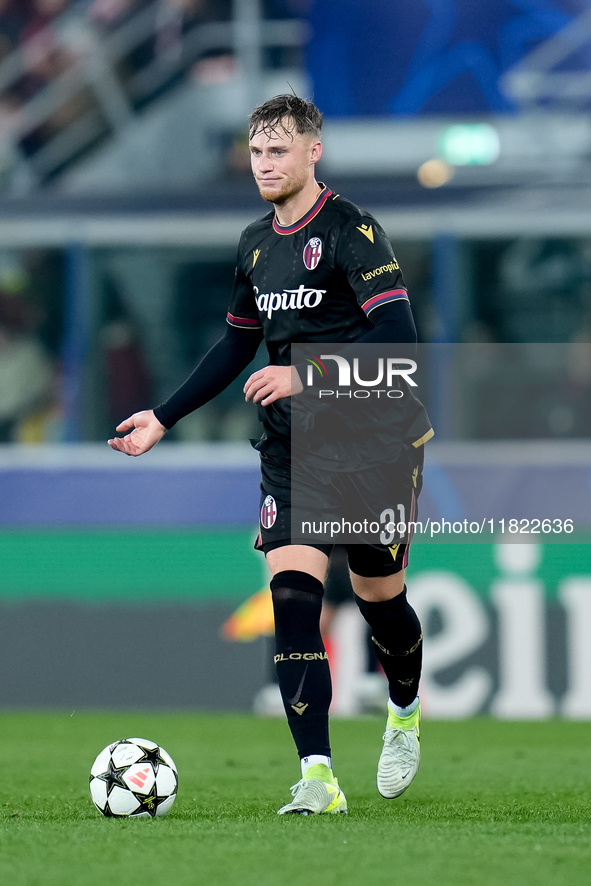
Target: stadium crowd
{"points": [[43, 40]]}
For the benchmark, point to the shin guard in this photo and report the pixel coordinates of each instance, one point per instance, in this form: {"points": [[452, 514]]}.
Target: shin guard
{"points": [[301, 661], [398, 639]]}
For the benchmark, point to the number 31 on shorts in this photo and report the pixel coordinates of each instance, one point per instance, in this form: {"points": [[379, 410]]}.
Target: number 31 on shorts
{"points": [[392, 524]]}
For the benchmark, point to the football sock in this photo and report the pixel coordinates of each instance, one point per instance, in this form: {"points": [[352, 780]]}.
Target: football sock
{"points": [[313, 760], [405, 712], [398, 639], [301, 661]]}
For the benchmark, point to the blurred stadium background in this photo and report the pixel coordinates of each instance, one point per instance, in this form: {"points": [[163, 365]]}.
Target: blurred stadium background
{"points": [[124, 184]]}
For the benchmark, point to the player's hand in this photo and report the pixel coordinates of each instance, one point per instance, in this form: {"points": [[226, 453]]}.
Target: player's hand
{"points": [[145, 429], [272, 383]]}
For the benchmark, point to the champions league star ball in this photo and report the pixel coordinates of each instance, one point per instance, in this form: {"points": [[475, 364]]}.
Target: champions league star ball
{"points": [[133, 778]]}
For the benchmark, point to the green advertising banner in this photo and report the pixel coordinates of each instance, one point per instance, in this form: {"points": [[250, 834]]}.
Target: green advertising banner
{"points": [[506, 625]]}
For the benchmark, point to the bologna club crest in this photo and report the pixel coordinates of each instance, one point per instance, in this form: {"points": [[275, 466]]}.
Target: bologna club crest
{"points": [[312, 253], [268, 512]]}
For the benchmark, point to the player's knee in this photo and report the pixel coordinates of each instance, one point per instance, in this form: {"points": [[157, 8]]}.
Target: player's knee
{"points": [[297, 604], [369, 561], [378, 588], [292, 584]]}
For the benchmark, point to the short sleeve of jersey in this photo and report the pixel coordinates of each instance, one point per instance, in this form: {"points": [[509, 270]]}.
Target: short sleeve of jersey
{"points": [[242, 312], [365, 255]]}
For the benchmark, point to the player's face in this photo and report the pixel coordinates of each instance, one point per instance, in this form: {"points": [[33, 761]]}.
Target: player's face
{"points": [[283, 162]]}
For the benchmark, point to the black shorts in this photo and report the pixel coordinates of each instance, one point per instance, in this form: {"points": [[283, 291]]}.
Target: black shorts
{"points": [[385, 495]]}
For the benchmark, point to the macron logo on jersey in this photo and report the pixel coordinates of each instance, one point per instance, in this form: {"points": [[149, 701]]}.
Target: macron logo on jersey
{"points": [[288, 300]]}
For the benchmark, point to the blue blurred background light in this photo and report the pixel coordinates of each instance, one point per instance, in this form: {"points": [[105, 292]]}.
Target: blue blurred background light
{"points": [[427, 56]]}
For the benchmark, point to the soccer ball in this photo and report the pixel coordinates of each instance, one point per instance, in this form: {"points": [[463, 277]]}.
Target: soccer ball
{"points": [[133, 778]]}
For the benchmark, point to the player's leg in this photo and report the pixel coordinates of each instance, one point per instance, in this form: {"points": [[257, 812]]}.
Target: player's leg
{"points": [[378, 578], [396, 629], [397, 635], [303, 672], [337, 590], [301, 662]]}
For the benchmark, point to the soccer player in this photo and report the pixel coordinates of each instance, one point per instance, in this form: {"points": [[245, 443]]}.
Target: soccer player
{"points": [[315, 268]]}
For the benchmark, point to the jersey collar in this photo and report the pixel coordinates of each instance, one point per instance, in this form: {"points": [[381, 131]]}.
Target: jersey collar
{"points": [[307, 217]]}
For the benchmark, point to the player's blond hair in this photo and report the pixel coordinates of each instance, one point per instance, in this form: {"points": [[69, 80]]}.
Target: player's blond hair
{"points": [[288, 112]]}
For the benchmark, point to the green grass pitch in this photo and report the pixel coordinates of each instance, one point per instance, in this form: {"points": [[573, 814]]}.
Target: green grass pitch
{"points": [[494, 803]]}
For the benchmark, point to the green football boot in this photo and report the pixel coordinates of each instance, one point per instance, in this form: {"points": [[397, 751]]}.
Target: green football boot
{"points": [[401, 755], [317, 793]]}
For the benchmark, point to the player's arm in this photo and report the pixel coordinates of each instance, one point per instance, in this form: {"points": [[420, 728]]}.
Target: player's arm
{"points": [[222, 364], [365, 255], [219, 367], [392, 322]]}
